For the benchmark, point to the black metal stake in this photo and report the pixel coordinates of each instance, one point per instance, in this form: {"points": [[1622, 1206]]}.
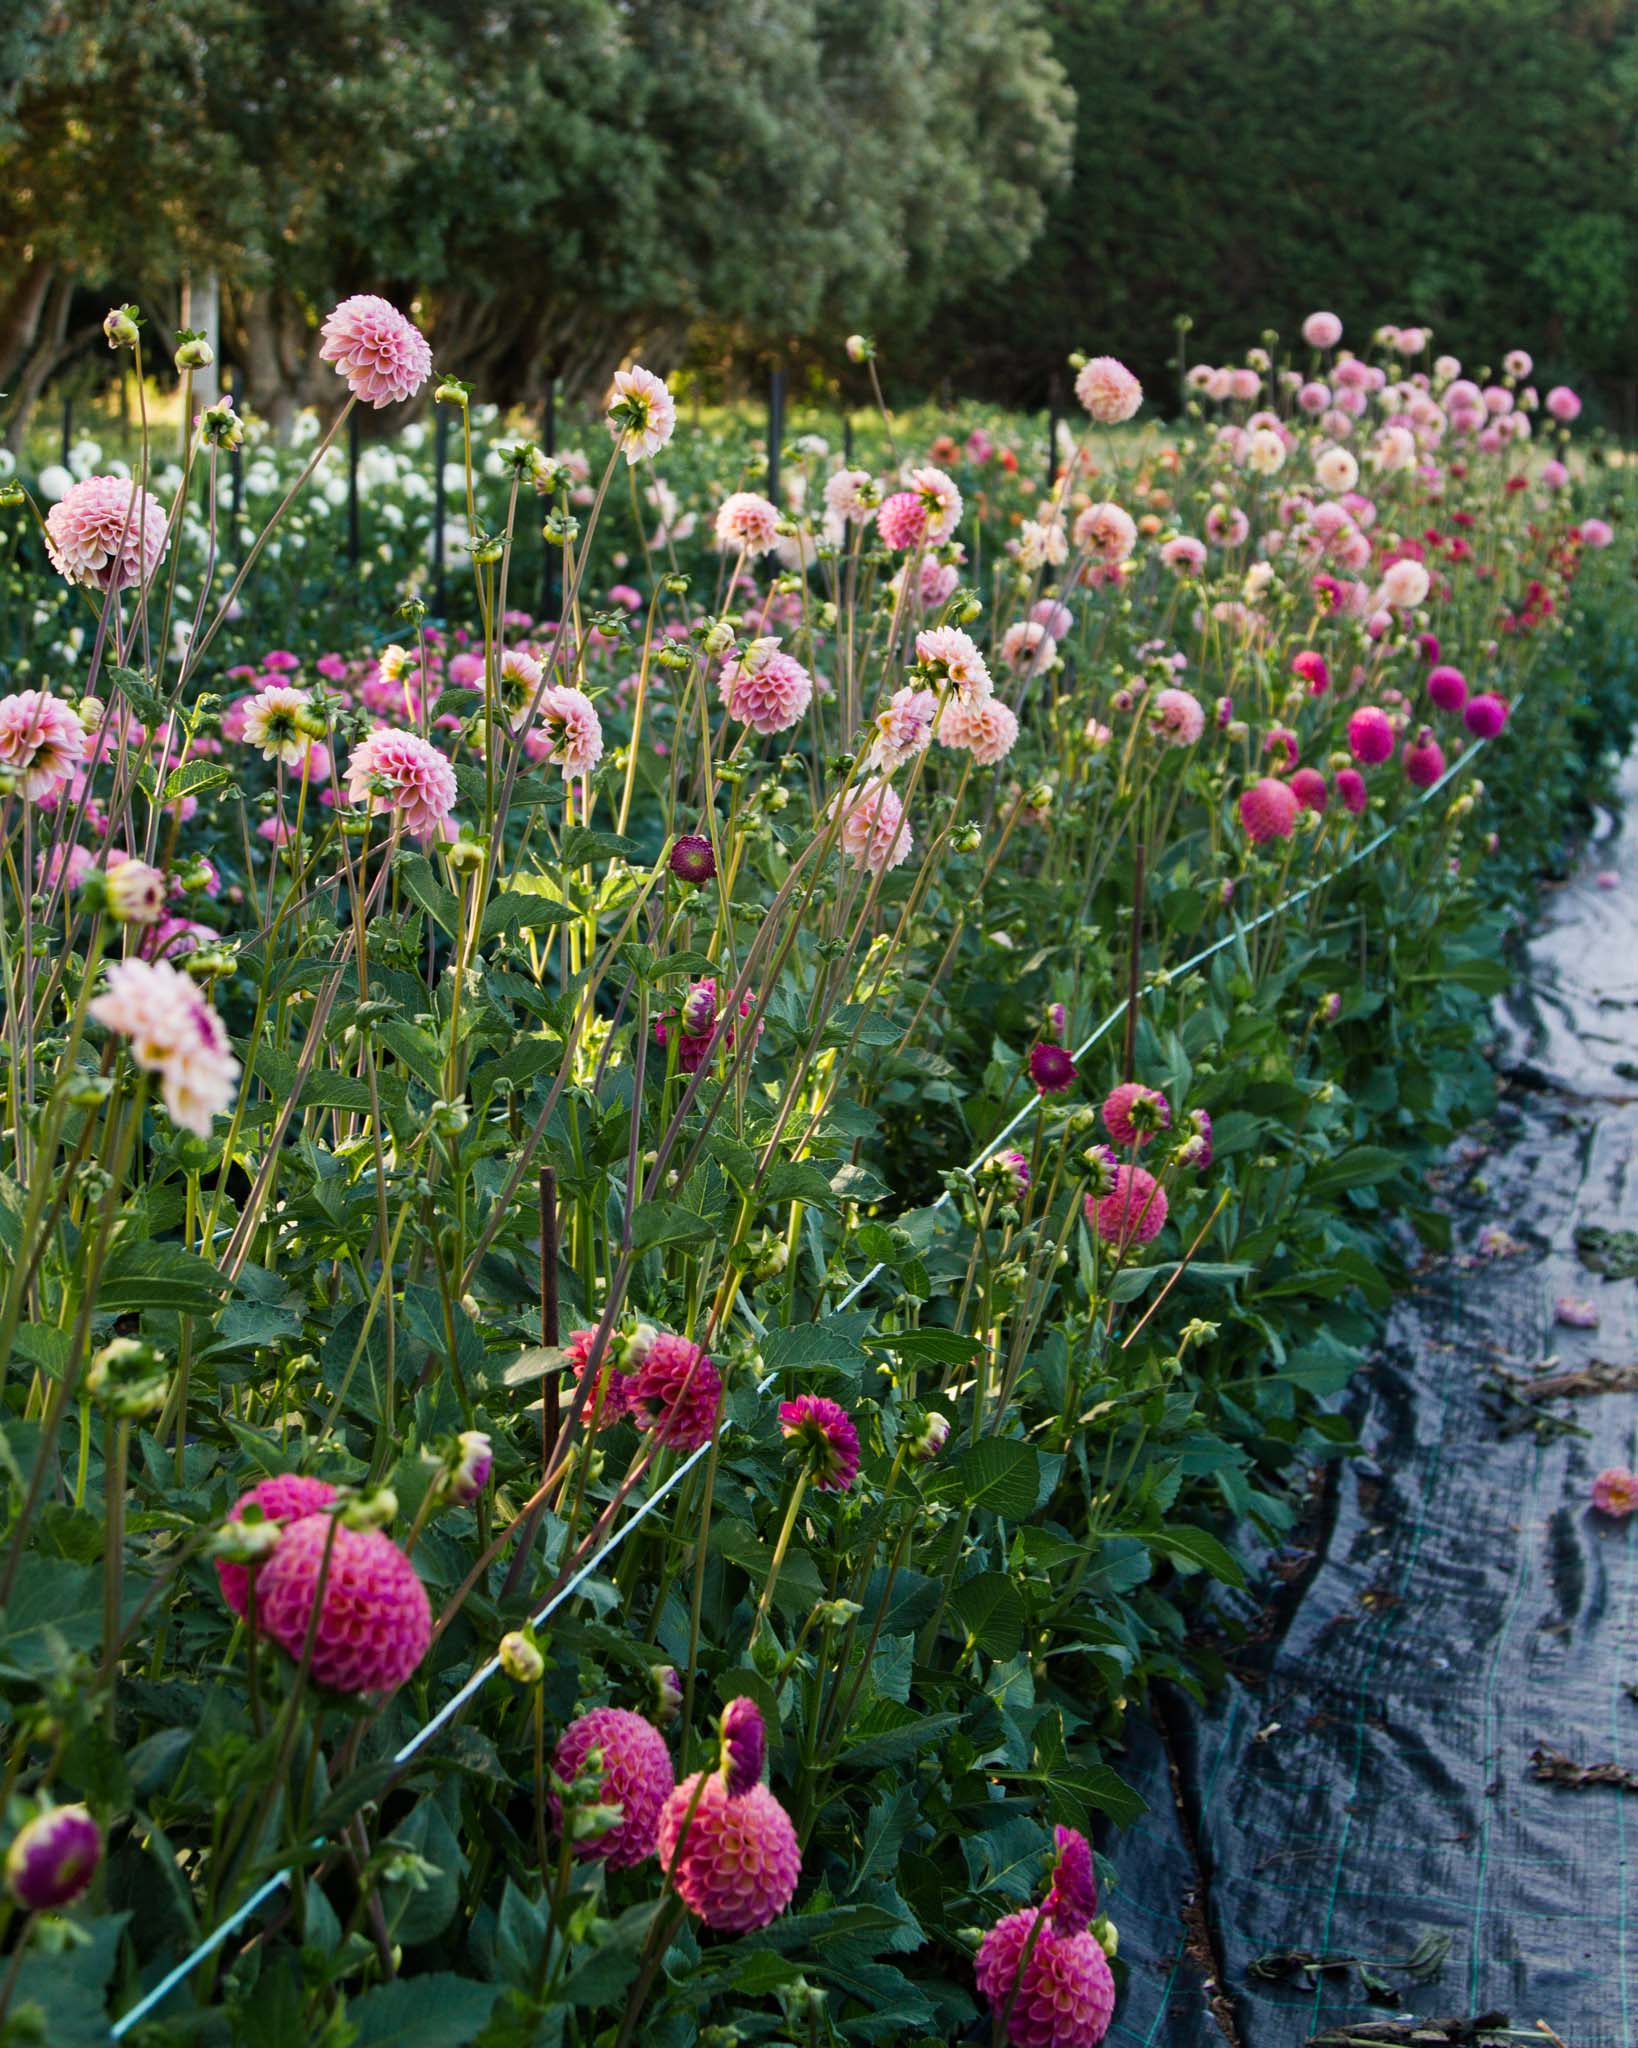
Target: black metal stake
{"points": [[68, 428], [1052, 446], [236, 456], [1134, 967], [776, 428], [352, 484], [440, 455], [548, 445], [551, 1388], [847, 439]]}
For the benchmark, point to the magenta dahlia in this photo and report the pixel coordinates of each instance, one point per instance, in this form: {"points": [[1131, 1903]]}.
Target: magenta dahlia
{"points": [[1311, 789], [1268, 810], [383, 356], [1447, 687], [1052, 1980], [1133, 1212], [104, 531], [1371, 737], [611, 1396], [826, 1432], [673, 1391], [637, 1777], [53, 1858], [731, 1853], [1050, 1068], [1351, 789], [285, 1497], [1485, 715], [375, 1621], [1424, 759]]}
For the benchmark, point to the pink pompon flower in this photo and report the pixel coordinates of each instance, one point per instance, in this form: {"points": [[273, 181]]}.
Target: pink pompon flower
{"points": [[1177, 717], [987, 729], [733, 1857], [1108, 531], [1027, 647], [1183, 554], [1615, 1491], [1485, 715], [1447, 687], [1597, 533], [1065, 1992], [401, 776], [41, 741], [1132, 1212], [765, 688], [826, 1433], [1314, 671], [1371, 737], [285, 1497], [1424, 759], [902, 521], [749, 522], [875, 833], [902, 728], [1310, 789], [1072, 1898], [104, 530], [641, 413], [53, 1858], [946, 654], [673, 1392], [383, 356], [1322, 330], [374, 1620], [939, 494], [570, 733], [1133, 1113], [638, 1778], [1268, 810], [1563, 404], [610, 1396], [172, 1032], [271, 723], [1050, 1068], [1108, 390], [744, 1745], [1351, 789]]}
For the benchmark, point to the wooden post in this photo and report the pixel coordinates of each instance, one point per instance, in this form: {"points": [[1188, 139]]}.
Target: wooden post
{"points": [[236, 456], [847, 439], [68, 428]]}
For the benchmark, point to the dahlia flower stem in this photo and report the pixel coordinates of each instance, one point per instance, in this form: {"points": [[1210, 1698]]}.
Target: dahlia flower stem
{"points": [[999, 2033], [116, 1458], [787, 1530]]}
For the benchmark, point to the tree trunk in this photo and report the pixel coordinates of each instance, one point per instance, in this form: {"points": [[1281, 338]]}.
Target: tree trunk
{"points": [[48, 352], [20, 318]]}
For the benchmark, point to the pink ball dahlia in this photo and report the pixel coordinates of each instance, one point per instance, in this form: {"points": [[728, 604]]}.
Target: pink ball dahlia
{"points": [[1177, 717], [1268, 810], [987, 729], [1424, 760], [1310, 789], [875, 832], [1485, 715], [1448, 688], [903, 520], [375, 1621], [1322, 330], [946, 654], [765, 688], [746, 520], [1615, 1491], [615, 1397], [673, 1391], [1351, 789], [736, 1866], [400, 775], [1108, 390], [286, 1497], [826, 1433], [1314, 670], [1563, 404], [1134, 1210], [1133, 1113], [641, 413], [637, 1777], [53, 1858], [41, 740], [1066, 1998], [103, 532], [570, 732], [383, 356], [1371, 737]]}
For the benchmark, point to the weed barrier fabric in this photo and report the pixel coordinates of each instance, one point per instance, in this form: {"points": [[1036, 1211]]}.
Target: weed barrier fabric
{"points": [[1367, 1779]]}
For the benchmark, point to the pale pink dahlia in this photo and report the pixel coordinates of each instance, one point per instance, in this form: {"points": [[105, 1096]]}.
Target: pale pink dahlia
{"points": [[1178, 717], [1052, 1980], [1106, 530], [938, 493], [401, 776], [41, 740], [637, 1777], [641, 413], [673, 1392], [1108, 390], [875, 832], [745, 520], [1133, 1113], [271, 723], [987, 729], [1184, 555], [570, 733], [172, 1032], [826, 1432], [734, 1860], [374, 1622], [1268, 810], [765, 688], [902, 729], [1027, 647], [383, 356], [1615, 1491], [1322, 330], [105, 530], [852, 494], [946, 654], [286, 1497], [902, 521]]}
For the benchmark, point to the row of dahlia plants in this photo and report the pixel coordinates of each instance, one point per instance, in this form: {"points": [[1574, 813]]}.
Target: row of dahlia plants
{"points": [[645, 1248]]}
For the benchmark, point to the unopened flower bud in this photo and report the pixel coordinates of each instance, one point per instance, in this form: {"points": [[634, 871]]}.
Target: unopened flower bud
{"points": [[371, 1510], [193, 351], [128, 1378], [520, 1659], [120, 326], [134, 893], [930, 1437]]}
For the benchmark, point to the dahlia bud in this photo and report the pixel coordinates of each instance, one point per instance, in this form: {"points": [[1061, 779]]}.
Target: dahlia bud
{"points": [[860, 348], [53, 1858], [12, 493], [449, 1119], [520, 1659], [485, 548], [371, 1510], [134, 893], [767, 1255], [464, 1468], [120, 326], [744, 1745], [930, 1437], [836, 1613], [193, 351], [220, 426], [1328, 1009], [248, 1540], [128, 1377], [668, 1692], [717, 638], [1105, 1933], [699, 1010], [88, 1091], [451, 391], [465, 856], [967, 838], [1195, 1331]]}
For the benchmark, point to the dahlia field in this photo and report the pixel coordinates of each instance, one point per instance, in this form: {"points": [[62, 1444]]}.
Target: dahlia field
{"points": [[662, 1227]]}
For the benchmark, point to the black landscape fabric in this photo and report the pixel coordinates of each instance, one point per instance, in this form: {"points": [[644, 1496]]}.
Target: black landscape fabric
{"points": [[1422, 1767]]}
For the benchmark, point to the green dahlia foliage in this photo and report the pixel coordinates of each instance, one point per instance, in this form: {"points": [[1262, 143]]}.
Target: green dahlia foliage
{"points": [[647, 1250]]}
